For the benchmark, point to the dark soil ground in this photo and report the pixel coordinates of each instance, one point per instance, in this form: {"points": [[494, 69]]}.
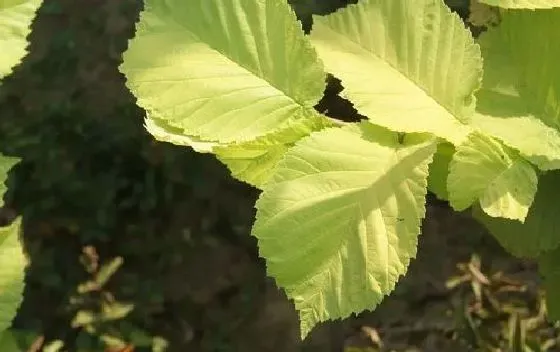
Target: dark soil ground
{"points": [[139, 243]]}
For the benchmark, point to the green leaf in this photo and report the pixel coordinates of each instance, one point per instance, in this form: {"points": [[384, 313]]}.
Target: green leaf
{"points": [[12, 265], [409, 65], [6, 163], [15, 19], [519, 102], [338, 222], [539, 233], [439, 170], [549, 267], [254, 162], [483, 169], [164, 132], [523, 4], [8, 342], [222, 71]]}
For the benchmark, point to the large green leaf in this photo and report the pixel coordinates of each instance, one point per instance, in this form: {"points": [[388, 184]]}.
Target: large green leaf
{"points": [[6, 163], [12, 265], [223, 71], [519, 102], [409, 65], [523, 4], [15, 20], [254, 162], [483, 169], [539, 233], [338, 221]]}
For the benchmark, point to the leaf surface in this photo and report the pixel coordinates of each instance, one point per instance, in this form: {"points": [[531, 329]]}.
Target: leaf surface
{"points": [[254, 162], [409, 65], [338, 222], [15, 20], [6, 163], [523, 4], [519, 102], [222, 71], [12, 265], [164, 132], [539, 232], [483, 169]]}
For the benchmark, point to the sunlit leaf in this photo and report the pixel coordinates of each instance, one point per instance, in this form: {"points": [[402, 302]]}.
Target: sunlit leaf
{"points": [[339, 220]]}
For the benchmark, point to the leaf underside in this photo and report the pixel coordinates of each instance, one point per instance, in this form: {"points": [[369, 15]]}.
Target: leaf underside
{"points": [[12, 265], [417, 76], [338, 221], [6, 163], [163, 132], [483, 169], [225, 71], [12, 260], [15, 20], [254, 162]]}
